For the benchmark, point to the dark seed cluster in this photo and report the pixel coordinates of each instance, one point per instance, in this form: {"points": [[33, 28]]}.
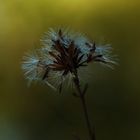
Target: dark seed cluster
{"points": [[61, 56]]}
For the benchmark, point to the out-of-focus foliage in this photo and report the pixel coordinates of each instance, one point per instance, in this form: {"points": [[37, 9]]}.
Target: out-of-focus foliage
{"points": [[38, 112]]}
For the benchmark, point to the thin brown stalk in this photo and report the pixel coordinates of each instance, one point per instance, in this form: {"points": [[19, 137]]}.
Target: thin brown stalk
{"points": [[81, 95]]}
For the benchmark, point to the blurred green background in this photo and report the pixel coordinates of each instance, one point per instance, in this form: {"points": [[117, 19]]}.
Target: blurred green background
{"points": [[37, 112]]}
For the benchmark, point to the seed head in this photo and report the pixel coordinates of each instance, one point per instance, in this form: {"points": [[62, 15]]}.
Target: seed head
{"points": [[62, 55]]}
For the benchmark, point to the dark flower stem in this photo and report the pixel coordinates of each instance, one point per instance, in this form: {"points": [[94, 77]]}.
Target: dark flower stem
{"points": [[81, 95]]}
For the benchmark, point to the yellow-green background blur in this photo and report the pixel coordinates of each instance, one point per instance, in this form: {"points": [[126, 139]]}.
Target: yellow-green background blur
{"points": [[37, 112]]}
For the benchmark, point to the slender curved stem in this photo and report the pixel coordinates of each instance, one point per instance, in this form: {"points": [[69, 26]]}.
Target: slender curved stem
{"points": [[81, 95]]}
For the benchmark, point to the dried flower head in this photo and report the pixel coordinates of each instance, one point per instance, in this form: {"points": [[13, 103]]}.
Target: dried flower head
{"points": [[61, 56]]}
